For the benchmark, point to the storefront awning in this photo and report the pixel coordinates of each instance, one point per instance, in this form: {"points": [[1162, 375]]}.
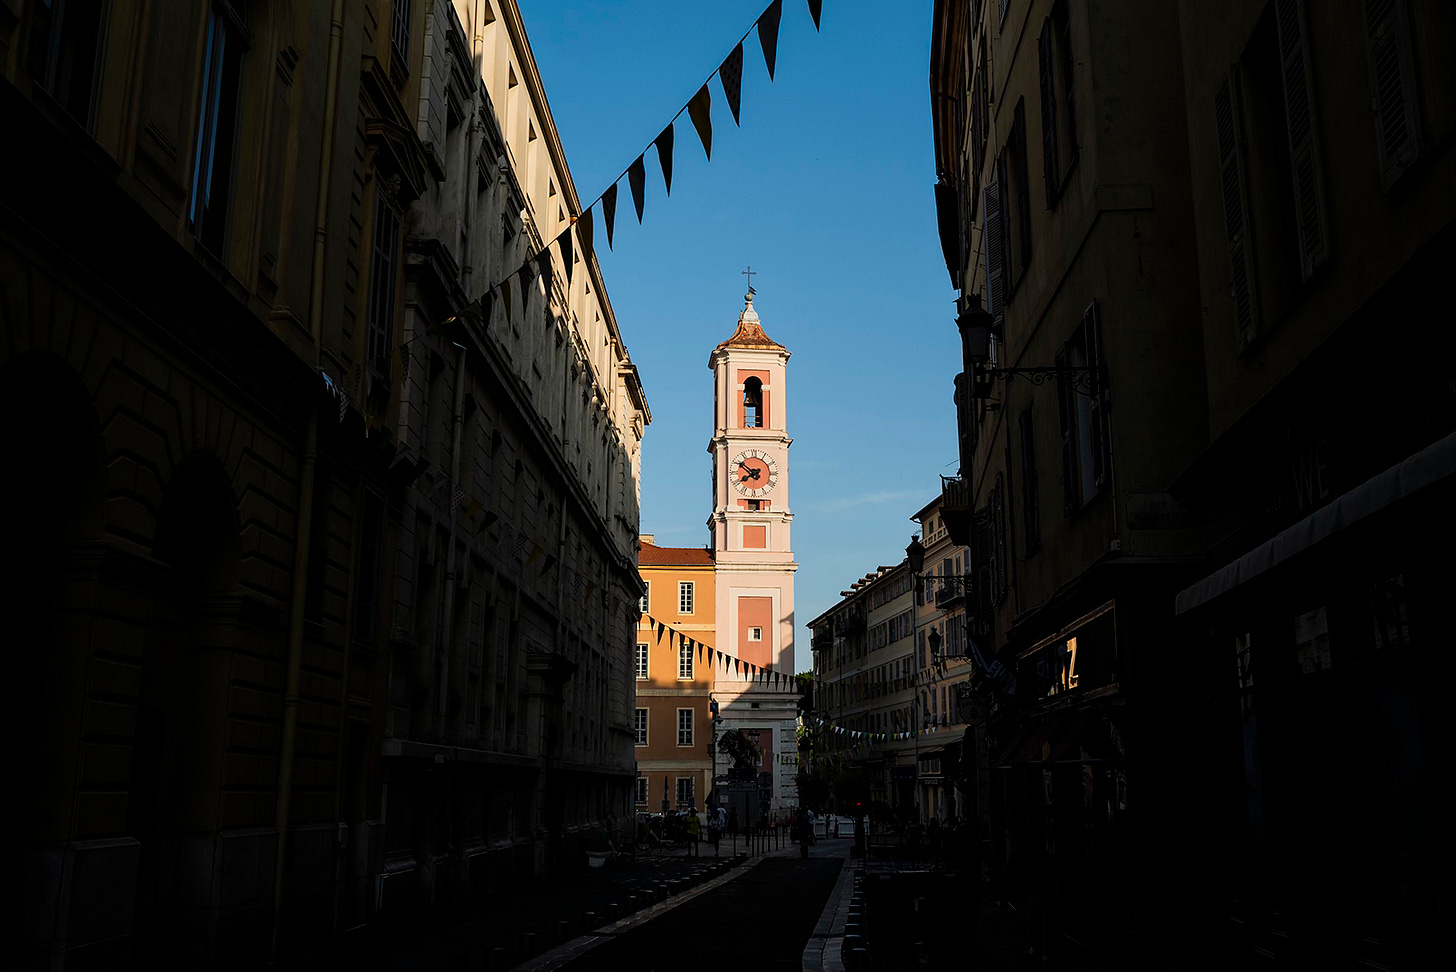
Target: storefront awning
{"points": [[1430, 465], [931, 753]]}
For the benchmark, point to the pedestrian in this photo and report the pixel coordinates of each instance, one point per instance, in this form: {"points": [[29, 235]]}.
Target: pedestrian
{"points": [[694, 828], [800, 831], [715, 829]]}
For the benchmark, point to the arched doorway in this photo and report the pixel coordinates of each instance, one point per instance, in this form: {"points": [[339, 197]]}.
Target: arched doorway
{"points": [[174, 807]]}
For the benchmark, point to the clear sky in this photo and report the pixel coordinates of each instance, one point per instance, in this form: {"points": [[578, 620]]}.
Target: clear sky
{"points": [[827, 189]]}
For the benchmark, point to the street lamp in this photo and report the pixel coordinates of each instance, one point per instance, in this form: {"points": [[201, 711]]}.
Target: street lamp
{"points": [[915, 556]]}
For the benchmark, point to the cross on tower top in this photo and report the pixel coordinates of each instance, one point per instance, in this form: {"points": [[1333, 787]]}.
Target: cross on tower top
{"points": [[750, 273]]}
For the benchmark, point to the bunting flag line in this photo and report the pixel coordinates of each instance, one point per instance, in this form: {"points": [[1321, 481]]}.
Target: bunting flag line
{"points": [[568, 256], [768, 34], [664, 155], [537, 552], [698, 112], [730, 75], [609, 211], [637, 182]]}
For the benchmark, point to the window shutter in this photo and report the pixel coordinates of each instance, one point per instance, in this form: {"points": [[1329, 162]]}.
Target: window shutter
{"points": [[982, 555], [1069, 108], [991, 241], [1235, 212], [1092, 330], [1301, 119], [998, 525], [1066, 410], [1051, 173], [1392, 86]]}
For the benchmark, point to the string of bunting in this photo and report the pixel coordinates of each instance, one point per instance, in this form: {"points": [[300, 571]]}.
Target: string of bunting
{"points": [[871, 736], [699, 109], [723, 659]]}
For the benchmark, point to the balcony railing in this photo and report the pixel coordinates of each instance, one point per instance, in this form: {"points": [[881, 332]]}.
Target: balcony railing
{"points": [[956, 506], [951, 590], [822, 638]]}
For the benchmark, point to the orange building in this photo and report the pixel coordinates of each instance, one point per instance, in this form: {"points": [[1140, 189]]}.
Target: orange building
{"points": [[672, 722]]}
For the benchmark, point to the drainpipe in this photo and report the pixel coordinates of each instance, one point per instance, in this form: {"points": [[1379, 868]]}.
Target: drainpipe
{"points": [[444, 624], [306, 483]]}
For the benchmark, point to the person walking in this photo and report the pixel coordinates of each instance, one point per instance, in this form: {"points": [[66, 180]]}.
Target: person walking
{"points": [[694, 829]]}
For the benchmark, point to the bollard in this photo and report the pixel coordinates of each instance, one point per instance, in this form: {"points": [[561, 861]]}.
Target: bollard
{"points": [[458, 962], [614, 910], [857, 960], [495, 960], [589, 920], [563, 930], [528, 943], [633, 902]]}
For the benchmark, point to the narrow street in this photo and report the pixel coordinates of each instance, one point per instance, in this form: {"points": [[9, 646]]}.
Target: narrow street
{"points": [[725, 925]]}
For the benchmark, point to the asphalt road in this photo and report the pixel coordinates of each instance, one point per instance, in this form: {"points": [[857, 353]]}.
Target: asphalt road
{"points": [[758, 921]]}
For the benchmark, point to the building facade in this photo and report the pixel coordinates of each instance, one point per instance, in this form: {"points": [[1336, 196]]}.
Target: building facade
{"points": [[673, 727], [283, 680], [1321, 157], [1066, 222], [1170, 336]]}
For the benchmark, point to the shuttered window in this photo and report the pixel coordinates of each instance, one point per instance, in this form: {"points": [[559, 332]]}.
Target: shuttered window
{"points": [[1392, 86], [1098, 433], [1030, 499], [1302, 122], [1067, 415], [1058, 111], [1236, 211], [992, 241]]}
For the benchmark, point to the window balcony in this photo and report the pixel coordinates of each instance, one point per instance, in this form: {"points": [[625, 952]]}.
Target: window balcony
{"points": [[956, 506], [950, 591]]}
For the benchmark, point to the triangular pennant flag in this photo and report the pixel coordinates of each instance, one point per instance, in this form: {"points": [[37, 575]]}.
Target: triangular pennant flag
{"points": [[543, 264], [720, 658], [768, 34], [550, 562], [584, 231], [568, 255], [591, 588], [637, 182], [536, 554], [664, 155], [525, 275], [609, 211], [487, 304], [660, 628], [730, 73], [699, 110], [735, 666], [490, 517], [814, 8], [505, 293]]}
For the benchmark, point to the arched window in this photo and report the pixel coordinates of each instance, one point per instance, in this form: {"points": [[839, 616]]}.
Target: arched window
{"points": [[753, 404]]}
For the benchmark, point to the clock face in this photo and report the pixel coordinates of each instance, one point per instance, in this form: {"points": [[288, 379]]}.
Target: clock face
{"points": [[753, 472]]}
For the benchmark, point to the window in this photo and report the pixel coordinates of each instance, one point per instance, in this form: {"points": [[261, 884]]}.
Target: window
{"points": [[399, 32], [1030, 502], [753, 404], [685, 597], [67, 50], [1058, 114], [755, 504], [755, 634], [383, 271], [1015, 203], [646, 595], [217, 126], [684, 727], [640, 727], [685, 791], [684, 660], [640, 797], [1086, 449], [1392, 83], [641, 661]]}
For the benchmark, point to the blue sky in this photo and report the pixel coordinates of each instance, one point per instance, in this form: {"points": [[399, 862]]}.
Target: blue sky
{"points": [[827, 190]]}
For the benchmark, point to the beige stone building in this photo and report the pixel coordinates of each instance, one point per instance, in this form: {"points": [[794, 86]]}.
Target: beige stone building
{"points": [[327, 597]]}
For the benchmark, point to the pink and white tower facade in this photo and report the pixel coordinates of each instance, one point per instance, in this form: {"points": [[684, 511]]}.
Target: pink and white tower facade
{"points": [[750, 536]]}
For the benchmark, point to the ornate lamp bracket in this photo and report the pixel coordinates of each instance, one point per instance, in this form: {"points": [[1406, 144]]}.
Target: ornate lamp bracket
{"points": [[1084, 381]]}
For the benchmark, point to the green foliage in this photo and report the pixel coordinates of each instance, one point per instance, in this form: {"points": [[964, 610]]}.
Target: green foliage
{"points": [[739, 748]]}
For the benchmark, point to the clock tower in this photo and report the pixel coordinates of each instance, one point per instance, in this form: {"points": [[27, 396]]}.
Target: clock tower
{"points": [[750, 539]]}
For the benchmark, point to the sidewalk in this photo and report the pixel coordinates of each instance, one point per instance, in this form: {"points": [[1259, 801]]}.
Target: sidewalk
{"points": [[503, 931]]}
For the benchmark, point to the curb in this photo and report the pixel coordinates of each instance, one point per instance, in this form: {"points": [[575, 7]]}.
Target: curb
{"points": [[823, 952], [562, 954]]}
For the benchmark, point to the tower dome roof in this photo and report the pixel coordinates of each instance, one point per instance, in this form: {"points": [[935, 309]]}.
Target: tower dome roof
{"points": [[750, 333]]}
